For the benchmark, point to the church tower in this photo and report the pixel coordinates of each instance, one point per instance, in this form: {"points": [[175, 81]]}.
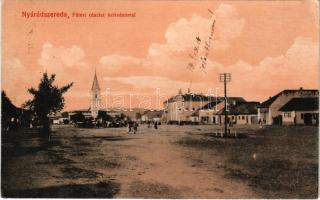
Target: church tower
{"points": [[95, 97]]}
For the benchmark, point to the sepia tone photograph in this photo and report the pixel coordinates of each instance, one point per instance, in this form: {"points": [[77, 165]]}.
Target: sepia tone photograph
{"points": [[160, 99]]}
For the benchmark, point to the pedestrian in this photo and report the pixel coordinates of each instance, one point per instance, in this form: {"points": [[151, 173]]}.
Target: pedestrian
{"points": [[260, 123], [155, 125], [230, 123], [135, 127], [129, 126]]}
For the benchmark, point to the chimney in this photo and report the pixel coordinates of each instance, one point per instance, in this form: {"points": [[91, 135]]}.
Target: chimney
{"points": [[180, 91], [301, 88], [189, 91]]}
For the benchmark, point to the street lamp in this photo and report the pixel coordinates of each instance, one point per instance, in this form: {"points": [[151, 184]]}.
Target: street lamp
{"points": [[225, 77]]}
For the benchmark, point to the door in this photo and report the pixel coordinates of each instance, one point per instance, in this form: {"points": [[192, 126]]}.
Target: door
{"points": [[307, 117]]}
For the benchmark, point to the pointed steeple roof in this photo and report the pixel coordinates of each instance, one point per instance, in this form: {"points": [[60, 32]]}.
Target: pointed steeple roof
{"points": [[95, 84]]}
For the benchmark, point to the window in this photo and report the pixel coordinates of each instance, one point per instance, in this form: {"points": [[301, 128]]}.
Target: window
{"points": [[242, 117], [287, 114], [239, 117], [302, 116]]}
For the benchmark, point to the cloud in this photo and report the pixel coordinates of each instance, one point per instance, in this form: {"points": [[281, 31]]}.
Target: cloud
{"points": [[181, 35], [56, 57], [14, 71], [15, 76], [151, 82], [165, 63], [170, 59], [116, 60], [118, 65], [313, 8], [295, 68], [229, 25]]}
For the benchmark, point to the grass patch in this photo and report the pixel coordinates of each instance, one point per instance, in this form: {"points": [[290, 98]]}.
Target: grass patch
{"points": [[277, 162], [72, 172], [139, 189]]}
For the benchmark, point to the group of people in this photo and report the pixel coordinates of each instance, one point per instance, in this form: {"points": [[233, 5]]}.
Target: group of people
{"points": [[155, 124], [133, 126]]}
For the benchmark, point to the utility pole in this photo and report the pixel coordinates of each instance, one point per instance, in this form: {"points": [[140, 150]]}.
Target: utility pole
{"points": [[225, 77]]}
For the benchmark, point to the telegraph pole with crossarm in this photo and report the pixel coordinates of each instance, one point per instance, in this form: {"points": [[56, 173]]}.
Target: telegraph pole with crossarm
{"points": [[225, 77]]}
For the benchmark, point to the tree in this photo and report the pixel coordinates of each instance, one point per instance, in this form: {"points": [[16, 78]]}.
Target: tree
{"points": [[8, 110], [104, 116], [47, 99], [78, 117]]}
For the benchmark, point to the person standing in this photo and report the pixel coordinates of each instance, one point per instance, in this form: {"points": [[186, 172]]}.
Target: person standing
{"points": [[129, 126], [135, 127], [260, 123], [155, 125]]}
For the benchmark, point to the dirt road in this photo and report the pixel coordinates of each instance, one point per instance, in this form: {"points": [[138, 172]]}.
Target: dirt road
{"points": [[147, 165]]}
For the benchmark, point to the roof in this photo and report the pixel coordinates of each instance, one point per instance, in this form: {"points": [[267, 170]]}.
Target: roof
{"points": [[95, 84], [268, 102], [246, 108], [218, 100], [201, 97], [153, 114], [211, 105], [242, 108], [301, 104], [79, 110], [190, 97]]}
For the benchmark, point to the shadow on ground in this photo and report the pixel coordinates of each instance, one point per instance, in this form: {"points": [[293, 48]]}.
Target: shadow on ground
{"points": [[98, 190]]}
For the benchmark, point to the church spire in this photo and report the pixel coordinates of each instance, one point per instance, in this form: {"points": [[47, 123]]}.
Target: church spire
{"points": [[95, 84]]}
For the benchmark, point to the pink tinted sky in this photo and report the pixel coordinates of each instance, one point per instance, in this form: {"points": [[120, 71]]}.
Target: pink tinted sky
{"points": [[268, 46]]}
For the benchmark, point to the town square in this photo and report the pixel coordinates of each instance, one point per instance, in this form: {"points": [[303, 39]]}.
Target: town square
{"points": [[160, 99]]}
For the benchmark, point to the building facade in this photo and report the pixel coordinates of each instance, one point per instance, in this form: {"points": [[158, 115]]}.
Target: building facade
{"points": [[269, 111], [244, 113], [301, 111], [181, 107], [213, 112]]}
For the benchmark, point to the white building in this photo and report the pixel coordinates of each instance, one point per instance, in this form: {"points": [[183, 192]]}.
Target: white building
{"points": [[269, 112], [213, 111], [300, 111]]}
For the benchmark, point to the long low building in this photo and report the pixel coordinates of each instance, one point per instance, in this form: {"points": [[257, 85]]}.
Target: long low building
{"points": [[269, 110], [239, 112], [213, 111], [190, 107], [301, 111]]}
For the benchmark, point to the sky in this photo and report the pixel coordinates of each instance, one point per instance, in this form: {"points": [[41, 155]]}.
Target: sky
{"points": [[267, 46]]}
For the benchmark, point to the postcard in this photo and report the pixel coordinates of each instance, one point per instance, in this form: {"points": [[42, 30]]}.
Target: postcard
{"points": [[160, 99]]}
